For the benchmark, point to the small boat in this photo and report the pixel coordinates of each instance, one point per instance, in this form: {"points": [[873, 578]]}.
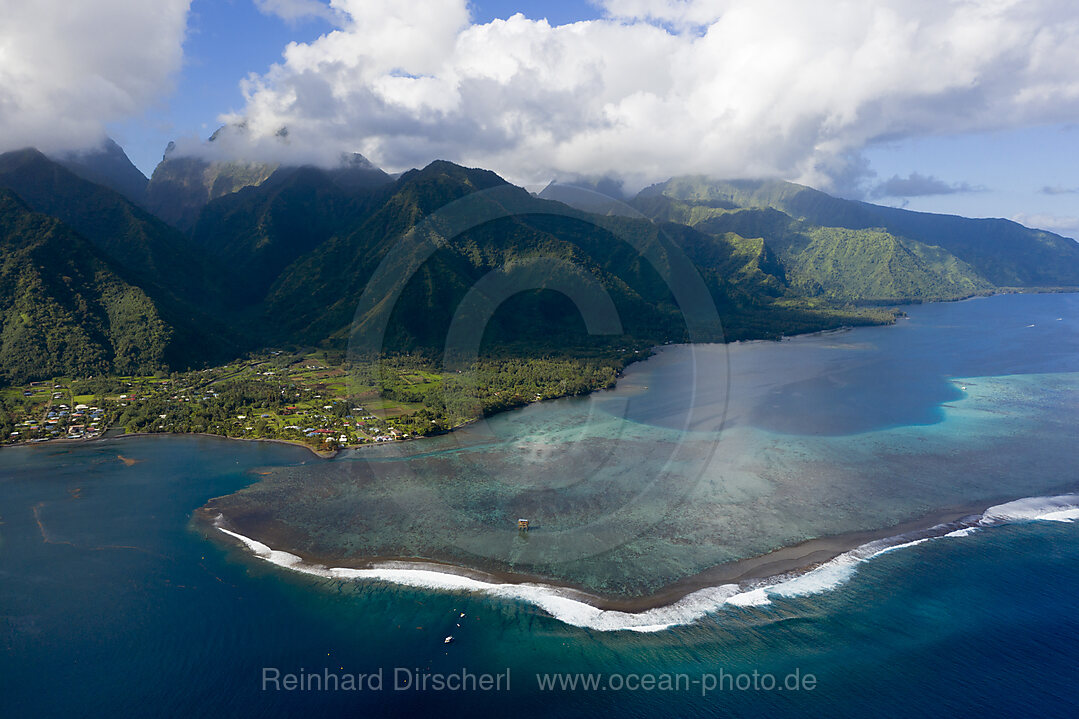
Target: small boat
{"points": [[448, 639]]}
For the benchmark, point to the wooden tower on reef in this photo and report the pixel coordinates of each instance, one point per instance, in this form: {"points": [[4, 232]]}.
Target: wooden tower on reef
{"points": [[522, 525]]}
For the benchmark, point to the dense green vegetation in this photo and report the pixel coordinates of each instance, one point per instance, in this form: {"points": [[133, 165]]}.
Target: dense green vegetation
{"points": [[869, 265], [259, 231], [261, 256], [1002, 252], [315, 298], [151, 251], [181, 186], [66, 310], [316, 398]]}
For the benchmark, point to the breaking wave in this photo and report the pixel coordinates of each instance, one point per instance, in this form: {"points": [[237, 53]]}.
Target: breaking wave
{"points": [[571, 608]]}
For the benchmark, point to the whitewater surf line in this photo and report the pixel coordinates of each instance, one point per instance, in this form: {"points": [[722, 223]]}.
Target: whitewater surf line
{"points": [[571, 607]]}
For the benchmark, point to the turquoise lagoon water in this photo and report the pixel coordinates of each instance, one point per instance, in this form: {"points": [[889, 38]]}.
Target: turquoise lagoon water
{"points": [[112, 602], [709, 454]]}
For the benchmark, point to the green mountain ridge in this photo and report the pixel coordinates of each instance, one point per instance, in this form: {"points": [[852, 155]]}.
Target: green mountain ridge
{"points": [[186, 287], [868, 266], [282, 256], [319, 293], [316, 297], [1003, 252], [153, 252], [183, 185], [110, 166], [259, 230], [66, 309]]}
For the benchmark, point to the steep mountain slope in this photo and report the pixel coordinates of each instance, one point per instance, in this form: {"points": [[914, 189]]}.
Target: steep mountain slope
{"points": [[318, 294], [152, 252], [181, 186], [65, 308], [316, 297], [110, 166], [258, 231], [1003, 252], [283, 256], [842, 264], [867, 265]]}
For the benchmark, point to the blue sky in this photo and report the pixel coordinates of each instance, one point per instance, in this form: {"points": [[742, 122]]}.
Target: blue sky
{"points": [[801, 90], [228, 39], [1010, 170], [225, 41]]}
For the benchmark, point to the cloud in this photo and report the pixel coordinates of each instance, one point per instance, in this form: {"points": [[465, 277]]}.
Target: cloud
{"points": [[918, 185], [1058, 190], [675, 13], [1062, 225], [68, 68], [295, 10], [773, 88]]}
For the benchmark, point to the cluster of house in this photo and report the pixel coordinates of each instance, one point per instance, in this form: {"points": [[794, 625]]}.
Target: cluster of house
{"points": [[347, 423], [391, 434], [82, 422], [376, 434], [325, 434]]}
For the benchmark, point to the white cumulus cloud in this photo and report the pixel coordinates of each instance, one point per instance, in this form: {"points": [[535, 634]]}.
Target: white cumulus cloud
{"points": [[788, 88], [294, 10], [67, 68]]}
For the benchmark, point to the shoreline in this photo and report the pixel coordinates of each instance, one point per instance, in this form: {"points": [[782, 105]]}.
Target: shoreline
{"points": [[653, 352], [321, 454], [103, 437], [751, 574], [743, 582]]}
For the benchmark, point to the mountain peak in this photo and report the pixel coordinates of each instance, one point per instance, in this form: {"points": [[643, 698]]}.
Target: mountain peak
{"points": [[183, 184], [477, 178], [107, 165]]}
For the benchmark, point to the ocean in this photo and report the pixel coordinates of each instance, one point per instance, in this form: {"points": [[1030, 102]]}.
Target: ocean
{"points": [[116, 600]]}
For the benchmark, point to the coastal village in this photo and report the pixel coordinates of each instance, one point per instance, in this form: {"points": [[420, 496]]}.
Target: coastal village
{"points": [[315, 398], [302, 400]]}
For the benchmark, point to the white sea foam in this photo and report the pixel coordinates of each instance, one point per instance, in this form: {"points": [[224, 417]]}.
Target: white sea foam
{"points": [[1064, 515], [563, 605], [753, 598], [553, 600], [827, 576], [1063, 508], [840, 569]]}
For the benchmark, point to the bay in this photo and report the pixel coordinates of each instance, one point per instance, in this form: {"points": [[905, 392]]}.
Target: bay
{"points": [[113, 601]]}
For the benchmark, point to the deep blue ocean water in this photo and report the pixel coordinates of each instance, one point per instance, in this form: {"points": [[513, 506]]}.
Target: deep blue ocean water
{"points": [[113, 604]]}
